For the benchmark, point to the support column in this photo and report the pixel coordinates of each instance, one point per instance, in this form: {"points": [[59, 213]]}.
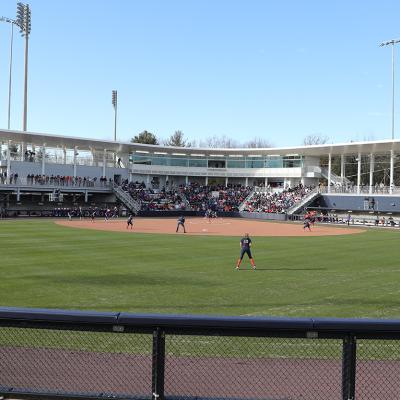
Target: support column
{"points": [[65, 155], [158, 365], [1, 151], [18, 195], [43, 158], [104, 162], [8, 157], [359, 173], [186, 180], [148, 181], [342, 172], [391, 179], [246, 181], [75, 154], [349, 363], [329, 171], [86, 196], [206, 180], [266, 182], [371, 172], [22, 151], [226, 181]]}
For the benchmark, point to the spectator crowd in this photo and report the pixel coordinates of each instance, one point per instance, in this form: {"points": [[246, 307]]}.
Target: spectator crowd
{"points": [[218, 198], [192, 197], [66, 180], [276, 202], [156, 199]]}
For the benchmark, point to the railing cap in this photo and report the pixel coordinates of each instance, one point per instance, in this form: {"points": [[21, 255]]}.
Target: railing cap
{"points": [[52, 315], [357, 325], [216, 322]]}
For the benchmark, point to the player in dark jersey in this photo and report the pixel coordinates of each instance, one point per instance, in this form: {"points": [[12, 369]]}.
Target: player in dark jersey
{"points": [[107, 214], [129, 221], [93, 214], [115, 212], [181, 222], [307, 223], [312, 218], [245, 244]]}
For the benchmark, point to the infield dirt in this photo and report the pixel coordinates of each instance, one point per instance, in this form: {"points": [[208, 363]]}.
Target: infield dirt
{"points": [[218, 227]]}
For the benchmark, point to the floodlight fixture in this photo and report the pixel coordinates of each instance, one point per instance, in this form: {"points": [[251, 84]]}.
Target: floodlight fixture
{"points": [[114, 101], [24, 18], [114, 98], [393, 41]]}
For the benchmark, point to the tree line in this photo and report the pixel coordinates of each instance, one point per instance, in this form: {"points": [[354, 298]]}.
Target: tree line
{"points": [[177, 139]]}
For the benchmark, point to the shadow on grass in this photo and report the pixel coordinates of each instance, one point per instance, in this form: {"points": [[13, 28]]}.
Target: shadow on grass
{"points": [[128, 280], [282, 269]]}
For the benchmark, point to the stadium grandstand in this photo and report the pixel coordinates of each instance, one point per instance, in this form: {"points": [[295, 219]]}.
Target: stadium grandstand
{"points": [[42, 172]]}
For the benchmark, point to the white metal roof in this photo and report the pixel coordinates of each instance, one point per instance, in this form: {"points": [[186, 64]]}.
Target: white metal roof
{"points": [[366, 147]]}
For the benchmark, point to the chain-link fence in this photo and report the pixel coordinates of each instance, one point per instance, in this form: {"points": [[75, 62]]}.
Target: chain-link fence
{"points": [[120, 356]]}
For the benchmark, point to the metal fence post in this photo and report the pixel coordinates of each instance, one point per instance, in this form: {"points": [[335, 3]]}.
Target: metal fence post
{"points": [[349, 367], [158, 364]]}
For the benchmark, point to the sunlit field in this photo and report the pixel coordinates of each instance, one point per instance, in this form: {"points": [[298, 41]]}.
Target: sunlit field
{"points": [[47, 265]]}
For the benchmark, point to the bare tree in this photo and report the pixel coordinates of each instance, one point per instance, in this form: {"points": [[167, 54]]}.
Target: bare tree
{"points": [[311, 140], [177, 140], [222, 142], [257, 143]]}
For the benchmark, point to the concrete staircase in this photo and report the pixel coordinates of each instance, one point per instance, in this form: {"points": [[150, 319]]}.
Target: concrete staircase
{"points": [[335, 179], [186, 201], [248, 198], [304, 202], [125, 198]]}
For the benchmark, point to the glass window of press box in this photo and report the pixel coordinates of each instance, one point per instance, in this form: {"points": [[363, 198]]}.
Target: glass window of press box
{"points": [[160, 159], [244, 162]]}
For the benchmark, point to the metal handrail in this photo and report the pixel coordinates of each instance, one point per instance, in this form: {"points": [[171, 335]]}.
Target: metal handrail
{"points": [[333, 327], [349, 331]]}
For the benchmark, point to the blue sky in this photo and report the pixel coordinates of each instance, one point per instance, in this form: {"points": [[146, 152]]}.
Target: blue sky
{"points": [[272, 69]]}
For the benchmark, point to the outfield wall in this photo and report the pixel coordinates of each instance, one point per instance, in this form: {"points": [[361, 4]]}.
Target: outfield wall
{"points": [[361, 203]]}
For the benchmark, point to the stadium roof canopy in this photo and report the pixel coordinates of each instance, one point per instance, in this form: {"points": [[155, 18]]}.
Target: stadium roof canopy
{"points": [[54, 141]]}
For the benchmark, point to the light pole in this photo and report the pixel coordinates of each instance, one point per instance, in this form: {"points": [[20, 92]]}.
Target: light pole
{"points": [[115, 104], [24, 22], [12, 23], [392, 43]]}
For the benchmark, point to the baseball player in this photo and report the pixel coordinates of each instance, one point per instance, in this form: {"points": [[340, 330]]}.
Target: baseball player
{"points": [[181, 222], [129, 222], [307, 223], [245, 244]]}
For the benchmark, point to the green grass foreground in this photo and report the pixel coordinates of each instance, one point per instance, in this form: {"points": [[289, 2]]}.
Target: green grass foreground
{"points": [[46, 265]]}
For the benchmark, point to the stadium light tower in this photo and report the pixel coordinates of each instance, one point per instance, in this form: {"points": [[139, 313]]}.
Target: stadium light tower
{"points": [[12, 23], [115, 105], [24, 23], [392, 43]]}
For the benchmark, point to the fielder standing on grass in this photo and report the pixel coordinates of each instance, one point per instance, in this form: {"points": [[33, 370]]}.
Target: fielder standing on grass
{"points": [[245, 244]]}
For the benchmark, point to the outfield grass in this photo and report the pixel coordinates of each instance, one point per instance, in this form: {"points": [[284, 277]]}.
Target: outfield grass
{"points": [[46, 265]]}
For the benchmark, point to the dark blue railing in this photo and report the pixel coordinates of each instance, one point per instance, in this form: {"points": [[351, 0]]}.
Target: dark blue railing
{"points": [[14, 321]]}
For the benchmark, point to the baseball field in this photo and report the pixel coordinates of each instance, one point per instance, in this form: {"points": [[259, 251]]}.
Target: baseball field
{"points": [[45, 264]]}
